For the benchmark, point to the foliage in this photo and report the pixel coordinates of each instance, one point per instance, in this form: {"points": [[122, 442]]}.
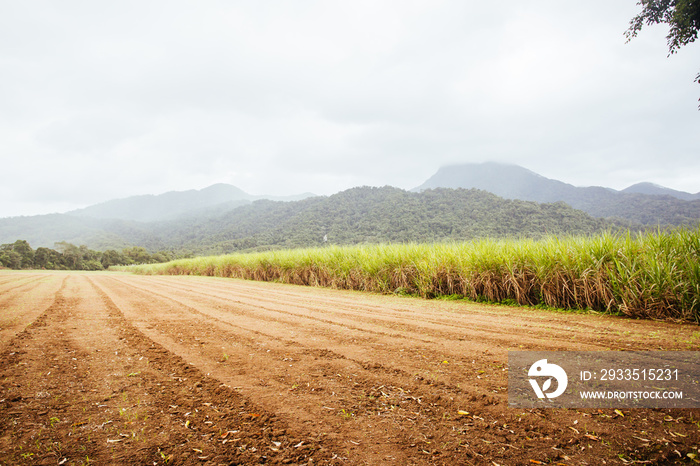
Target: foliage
{"points": [[648, 275], [682, 17], [67, 256], [18, 255], [367, 215], [658, 207], [375, 215]]}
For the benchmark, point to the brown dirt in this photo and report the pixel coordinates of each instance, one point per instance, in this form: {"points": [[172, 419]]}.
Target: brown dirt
{"points": [[109, 368]]}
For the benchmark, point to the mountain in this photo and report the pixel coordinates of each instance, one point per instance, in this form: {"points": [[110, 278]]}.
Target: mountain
{"points": [[509, 181], [514, 182], [372, 215], [164, 206], [656, 190], [148, 208], [99, 234], [460, 202], [130, 221], [358, 215]]}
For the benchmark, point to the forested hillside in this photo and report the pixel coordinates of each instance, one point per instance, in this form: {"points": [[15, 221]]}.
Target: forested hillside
{"points": [[642, 203], [371, 215], [358, 215]]}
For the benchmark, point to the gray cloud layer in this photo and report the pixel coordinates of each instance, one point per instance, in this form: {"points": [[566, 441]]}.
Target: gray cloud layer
{"points": [[109, 99]]}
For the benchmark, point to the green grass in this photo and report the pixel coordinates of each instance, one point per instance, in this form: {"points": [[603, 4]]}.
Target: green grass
{"points": [[651, 275]]}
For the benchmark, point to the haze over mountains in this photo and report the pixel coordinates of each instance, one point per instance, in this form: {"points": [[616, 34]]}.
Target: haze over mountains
{"points": [[150, 208], [644, 203], [515, 182], [656, 190], [452, 204]]}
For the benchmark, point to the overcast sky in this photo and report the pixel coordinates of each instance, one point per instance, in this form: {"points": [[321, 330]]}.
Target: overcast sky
{"points": [[104, 99]]}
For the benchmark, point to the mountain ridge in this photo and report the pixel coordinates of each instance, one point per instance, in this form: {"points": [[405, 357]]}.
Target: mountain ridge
{"points": [[654, 189], [384, 214], [357, 215], [660, 207], [457, 171], [173, 204], [223, 218]]}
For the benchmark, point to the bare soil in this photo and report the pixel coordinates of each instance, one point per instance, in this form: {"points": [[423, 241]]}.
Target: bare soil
{"points": [[109, 368]]}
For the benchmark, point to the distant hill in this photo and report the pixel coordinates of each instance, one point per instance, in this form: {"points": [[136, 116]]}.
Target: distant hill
{"points": [[131, 221], [149, 208], [642, 203], [358, 215], [371, 215], [460, 202], [98, 234], [509, 181], [656, 190]]}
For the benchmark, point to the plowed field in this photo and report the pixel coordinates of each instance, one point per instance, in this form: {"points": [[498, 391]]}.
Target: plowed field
{"points": [[109, 368]]}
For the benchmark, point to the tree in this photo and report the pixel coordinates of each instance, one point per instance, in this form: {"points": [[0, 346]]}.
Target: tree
{"points": [[72, 257], [111, 257], [11, 259], [17, 255], [682, 17], [137, 255], [23, 248], [45, 258]]}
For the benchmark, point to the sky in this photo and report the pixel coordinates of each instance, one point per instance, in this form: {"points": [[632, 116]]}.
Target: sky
{"points": [[102, 100]]}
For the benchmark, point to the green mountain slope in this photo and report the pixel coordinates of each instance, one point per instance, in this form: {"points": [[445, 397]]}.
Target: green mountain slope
{"points": [[358, 215], [370, 215], [637, 204]]}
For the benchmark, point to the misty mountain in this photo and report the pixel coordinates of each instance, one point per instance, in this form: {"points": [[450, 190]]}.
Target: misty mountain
{"points": [[656, 190], [358, 215], [459, 202], [149, 208], [642, 203], [372, 215], [132, 221], [98, 234], [508, 181]]}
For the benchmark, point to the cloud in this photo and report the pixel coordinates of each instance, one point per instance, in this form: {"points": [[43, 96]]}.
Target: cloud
{"points": [[102, 100]]}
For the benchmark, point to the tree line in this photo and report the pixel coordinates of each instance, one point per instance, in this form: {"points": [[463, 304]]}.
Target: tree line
{"points": [[67, 256], [361, 215], [367, 215]]}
